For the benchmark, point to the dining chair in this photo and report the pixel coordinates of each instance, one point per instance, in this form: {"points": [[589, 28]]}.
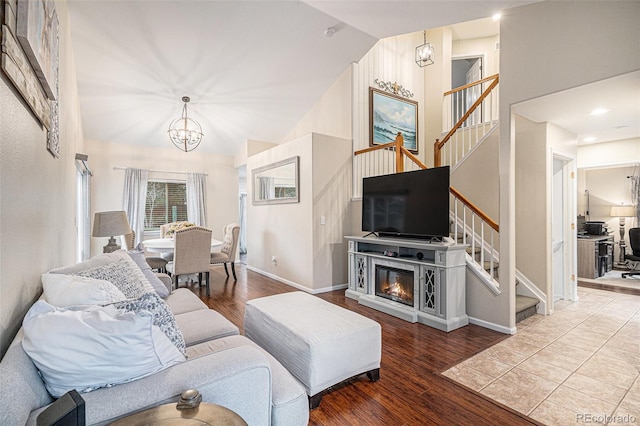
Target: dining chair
{"points": [[227, 252], [155, 262], [129, 240], [164, 228], [163, 234], [191, 254]]}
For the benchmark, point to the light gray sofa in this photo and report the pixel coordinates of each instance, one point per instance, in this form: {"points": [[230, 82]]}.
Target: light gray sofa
{"points": [[227, 369]]}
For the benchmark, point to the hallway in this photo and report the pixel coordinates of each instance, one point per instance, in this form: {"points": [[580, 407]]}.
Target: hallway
{"points": [[579, 365]]}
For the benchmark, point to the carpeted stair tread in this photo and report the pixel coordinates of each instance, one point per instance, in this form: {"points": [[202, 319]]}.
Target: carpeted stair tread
{"points": [[477, 250], [525, 302], [487, 265]]}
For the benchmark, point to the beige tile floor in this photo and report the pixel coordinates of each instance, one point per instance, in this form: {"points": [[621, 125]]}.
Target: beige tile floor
{"points": [[580, 365]]}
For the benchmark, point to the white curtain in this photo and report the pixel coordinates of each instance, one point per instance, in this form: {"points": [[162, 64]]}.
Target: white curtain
{"points": [[267, 188], [243, 224], [196, 198], [134, 200]]}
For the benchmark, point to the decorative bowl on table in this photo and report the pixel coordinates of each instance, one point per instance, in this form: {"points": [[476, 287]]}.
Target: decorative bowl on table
{"points": [[176, 226]]}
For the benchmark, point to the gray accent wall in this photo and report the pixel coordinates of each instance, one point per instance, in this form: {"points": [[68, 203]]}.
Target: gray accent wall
{"points": [[37, 191]]}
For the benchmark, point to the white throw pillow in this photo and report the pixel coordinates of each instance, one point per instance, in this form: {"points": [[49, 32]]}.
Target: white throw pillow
{"points": [[62, 290], [94, 347]]}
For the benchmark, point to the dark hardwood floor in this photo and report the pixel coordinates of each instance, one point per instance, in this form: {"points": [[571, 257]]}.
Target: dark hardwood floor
{"points": [[411, 390]]}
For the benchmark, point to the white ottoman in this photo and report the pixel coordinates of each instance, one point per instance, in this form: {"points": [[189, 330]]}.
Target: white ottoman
{"points": [[320, 343]]}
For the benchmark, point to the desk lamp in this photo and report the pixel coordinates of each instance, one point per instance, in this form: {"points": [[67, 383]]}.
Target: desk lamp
{"points": [[622, 212], [109, 224]]}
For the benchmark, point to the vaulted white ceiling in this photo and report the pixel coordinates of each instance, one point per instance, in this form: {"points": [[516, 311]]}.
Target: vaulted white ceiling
{"points": [[251, 68]]}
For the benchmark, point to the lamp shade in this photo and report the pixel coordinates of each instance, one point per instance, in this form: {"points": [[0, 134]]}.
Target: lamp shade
{"points": [[623, 211], [108, 224]]}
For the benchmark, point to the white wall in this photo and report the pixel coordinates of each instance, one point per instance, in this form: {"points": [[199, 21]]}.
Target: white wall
{"points": [[482, 46], [622, 156], [331, 115], [543, 47], [531, 201], [249, 148], [609, 154], [331, 201], [477, 178], [37, 192], [608, 187], [283, 231], [390, 60], [602, 170], [309, 255], [437, 80], [107, 184]]}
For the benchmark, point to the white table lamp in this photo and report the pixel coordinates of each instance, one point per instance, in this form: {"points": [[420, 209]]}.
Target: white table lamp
{"points": [[110, 224], [622, 212]]}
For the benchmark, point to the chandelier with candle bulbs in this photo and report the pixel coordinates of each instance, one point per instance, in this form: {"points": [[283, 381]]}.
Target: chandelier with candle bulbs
{"points": [[184, 132]]}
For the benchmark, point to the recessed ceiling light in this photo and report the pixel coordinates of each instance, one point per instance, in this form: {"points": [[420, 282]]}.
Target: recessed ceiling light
{"points": [[496, 16], [589, 139], [599, 111]]}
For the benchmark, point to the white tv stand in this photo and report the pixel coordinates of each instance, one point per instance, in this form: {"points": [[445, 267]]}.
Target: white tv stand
{"points": [[439, 278]]}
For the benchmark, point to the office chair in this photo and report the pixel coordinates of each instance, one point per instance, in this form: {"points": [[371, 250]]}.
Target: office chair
{"points": [[633, 259]]}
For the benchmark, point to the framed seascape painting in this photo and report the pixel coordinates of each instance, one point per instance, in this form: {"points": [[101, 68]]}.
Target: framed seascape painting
{"points": [[390, 114]]}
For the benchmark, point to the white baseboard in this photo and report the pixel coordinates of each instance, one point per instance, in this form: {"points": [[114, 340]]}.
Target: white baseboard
{"points": [[296, 285], [492, 326]]}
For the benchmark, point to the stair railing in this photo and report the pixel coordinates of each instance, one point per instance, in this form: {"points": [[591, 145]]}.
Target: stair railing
{"points": [[385, 159], [473, 227], [472, 124], [393, 157]]}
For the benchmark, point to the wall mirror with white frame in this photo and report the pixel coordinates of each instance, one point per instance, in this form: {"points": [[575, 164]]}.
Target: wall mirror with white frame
{"points": [[277, 182]]}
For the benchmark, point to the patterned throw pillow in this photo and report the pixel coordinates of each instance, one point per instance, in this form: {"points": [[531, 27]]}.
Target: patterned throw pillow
{"points": [[137, 255], [119, 274], [162, 316]]}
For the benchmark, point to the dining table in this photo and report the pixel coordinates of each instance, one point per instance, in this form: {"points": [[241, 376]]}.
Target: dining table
{"points": [[166, 245]]}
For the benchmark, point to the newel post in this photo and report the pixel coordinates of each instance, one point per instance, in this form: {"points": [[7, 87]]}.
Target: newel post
{"points": [[436, 153], [399, 159]]}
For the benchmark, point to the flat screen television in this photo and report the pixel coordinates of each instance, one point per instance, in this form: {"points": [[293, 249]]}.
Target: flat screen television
{"points": [[410, 204]]}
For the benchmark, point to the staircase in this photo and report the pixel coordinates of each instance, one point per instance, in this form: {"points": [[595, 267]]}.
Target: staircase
{"points": [[525, 307], [469, 224], [474, 253]]}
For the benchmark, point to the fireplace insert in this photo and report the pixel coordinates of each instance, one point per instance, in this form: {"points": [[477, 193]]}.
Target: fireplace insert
{"points": [[394, 284]]}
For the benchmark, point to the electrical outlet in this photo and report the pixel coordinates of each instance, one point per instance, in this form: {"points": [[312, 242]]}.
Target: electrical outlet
{"points": [[322, 220], [273, 260]]}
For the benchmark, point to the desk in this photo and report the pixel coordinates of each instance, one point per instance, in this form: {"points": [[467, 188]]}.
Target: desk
{"points": [[165, 245], [591, 249], [168, 414]]}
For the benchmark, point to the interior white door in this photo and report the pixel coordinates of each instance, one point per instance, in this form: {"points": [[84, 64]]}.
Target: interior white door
{"points": [[557, 230]]}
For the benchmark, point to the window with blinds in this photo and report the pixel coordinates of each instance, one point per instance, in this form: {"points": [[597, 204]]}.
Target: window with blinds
{"points": [[166, 202]]}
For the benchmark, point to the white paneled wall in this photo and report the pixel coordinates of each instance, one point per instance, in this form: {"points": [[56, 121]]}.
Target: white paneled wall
{"points": [[391, 59]]}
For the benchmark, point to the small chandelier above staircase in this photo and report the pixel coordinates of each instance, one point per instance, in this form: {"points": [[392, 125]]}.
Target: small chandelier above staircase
{"points": [[424, 53]]}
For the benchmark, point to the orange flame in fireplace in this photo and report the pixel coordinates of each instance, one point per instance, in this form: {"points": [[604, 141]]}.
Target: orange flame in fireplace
{"points": [[396, 289]]}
